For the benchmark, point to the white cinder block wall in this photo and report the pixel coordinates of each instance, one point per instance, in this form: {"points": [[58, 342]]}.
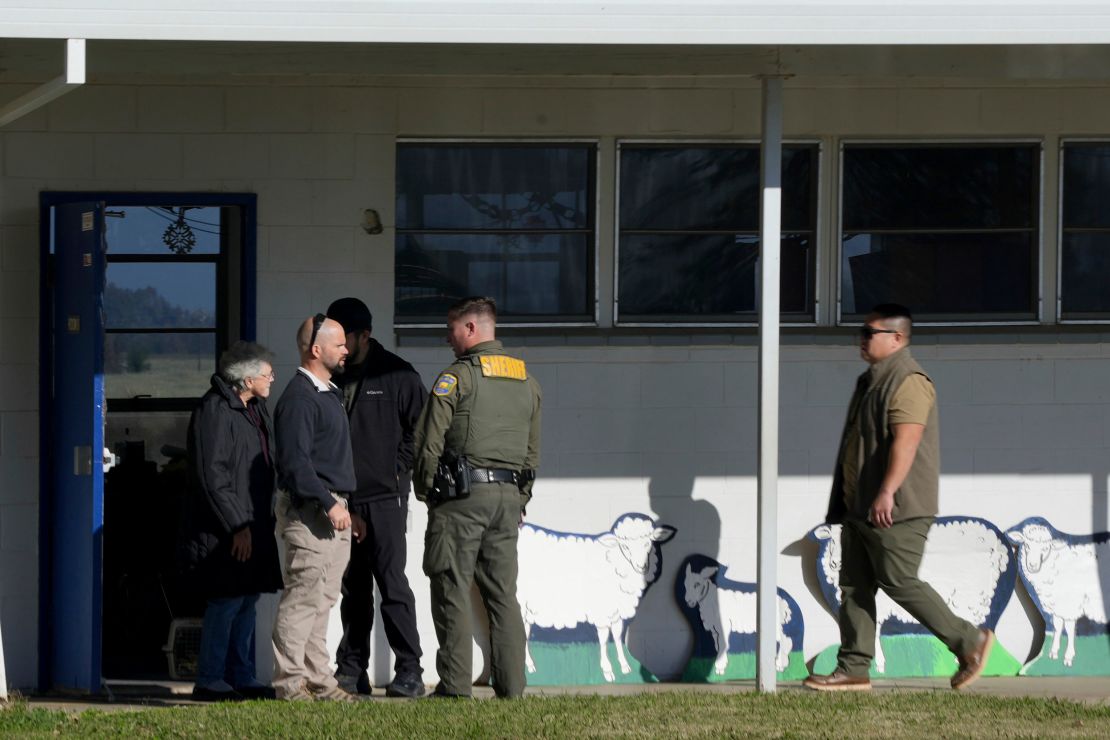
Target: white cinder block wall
{"points": [[646, 422]]}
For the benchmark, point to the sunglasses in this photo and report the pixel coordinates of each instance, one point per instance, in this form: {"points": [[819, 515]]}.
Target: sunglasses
{"points": [[866, 332], [317, 321]]}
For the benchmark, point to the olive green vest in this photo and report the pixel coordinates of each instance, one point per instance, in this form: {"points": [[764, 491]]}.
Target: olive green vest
{"points": [[491, 422], [917, 497]]}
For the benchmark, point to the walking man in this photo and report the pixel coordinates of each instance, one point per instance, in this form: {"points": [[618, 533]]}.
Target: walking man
{"points": [[383, 396], [315, 476], [885, 496], [477, 449]]}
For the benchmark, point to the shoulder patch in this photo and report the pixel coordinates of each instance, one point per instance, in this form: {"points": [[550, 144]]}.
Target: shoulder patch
{"points": [[445, 384], [500, 366]]}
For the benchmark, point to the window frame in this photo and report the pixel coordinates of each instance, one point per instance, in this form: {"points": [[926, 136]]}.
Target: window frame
{"points": [[1061, 151], [908, 143], [227, 290], [818, 230], [594, 265]]}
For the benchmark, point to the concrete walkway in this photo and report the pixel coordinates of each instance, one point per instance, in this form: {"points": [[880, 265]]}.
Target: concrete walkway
{"points": [[1090, 690]]}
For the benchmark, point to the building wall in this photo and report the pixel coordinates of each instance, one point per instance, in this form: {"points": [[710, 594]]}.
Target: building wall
{"points": [[652, 422]]}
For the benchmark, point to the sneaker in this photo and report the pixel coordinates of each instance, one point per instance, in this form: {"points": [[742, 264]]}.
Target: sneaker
{"points": [[359, 684], [335, 693], [407, 685]]}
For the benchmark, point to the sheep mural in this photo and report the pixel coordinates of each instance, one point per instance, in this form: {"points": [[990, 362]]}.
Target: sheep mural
{"points": [[578, 590], [722, 617], [969, 563], [1068, 578]]}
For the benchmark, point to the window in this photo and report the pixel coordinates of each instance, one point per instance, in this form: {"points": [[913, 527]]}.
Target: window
{"points": [[951, 231], [689, 233], [1085, 232], [512, 221], [178, 287]]}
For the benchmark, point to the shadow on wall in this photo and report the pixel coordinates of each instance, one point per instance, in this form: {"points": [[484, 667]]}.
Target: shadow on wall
{"points": [[671, 493]]}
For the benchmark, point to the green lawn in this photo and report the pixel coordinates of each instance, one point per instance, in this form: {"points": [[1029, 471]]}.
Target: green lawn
{"points": [[663, 715]]}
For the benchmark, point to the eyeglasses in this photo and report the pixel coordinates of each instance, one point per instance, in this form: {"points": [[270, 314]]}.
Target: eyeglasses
{"points": [[270, 376], [866, 332], [317, 321]]}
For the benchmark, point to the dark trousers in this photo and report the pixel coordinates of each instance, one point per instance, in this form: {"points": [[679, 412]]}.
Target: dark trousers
{"points": [[874, 558], [380, 558]]}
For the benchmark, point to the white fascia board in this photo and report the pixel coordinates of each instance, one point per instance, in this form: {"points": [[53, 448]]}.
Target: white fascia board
{"points": [[740, 22]]}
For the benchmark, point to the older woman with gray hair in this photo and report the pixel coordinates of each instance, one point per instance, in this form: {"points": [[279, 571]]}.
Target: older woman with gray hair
{"points": [[229, 549]]}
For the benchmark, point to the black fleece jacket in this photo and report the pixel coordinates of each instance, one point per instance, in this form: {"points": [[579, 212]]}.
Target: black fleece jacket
{"points": [[388, 398]]}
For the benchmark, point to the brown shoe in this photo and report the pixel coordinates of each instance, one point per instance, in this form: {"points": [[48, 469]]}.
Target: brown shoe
{"points": [[971, 666], [838, 680]]}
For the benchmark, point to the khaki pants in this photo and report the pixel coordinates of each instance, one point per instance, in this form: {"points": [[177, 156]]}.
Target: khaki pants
{"points": [[875, 558], [315, 558], [474, 540]]}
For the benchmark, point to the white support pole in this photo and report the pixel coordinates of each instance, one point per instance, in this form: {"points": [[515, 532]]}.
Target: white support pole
{"points": [[74, 77], [770, 228]]}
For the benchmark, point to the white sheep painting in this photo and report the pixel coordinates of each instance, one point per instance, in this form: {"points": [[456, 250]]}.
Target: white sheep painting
{"points": [[967, 561], [722, 617], [1068, 578], [576, 587]]}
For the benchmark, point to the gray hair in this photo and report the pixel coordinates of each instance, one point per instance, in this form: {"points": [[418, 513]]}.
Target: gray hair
{"points": [[243, 360]]}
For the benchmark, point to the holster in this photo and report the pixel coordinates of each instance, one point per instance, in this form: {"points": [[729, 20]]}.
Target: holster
{"points": [[452, 478]]}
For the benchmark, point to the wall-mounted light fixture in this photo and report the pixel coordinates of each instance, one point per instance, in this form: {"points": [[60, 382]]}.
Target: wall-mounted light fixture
{"points": [[371, 221]]}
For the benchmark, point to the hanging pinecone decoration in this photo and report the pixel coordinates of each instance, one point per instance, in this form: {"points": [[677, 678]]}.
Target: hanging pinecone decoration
{"points": [[179, 236]]}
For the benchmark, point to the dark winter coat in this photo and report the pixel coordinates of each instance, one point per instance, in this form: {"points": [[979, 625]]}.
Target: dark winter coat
{"points": [[231, 486]]}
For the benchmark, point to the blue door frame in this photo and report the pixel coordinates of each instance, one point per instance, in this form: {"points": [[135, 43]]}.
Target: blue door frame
{"points": [[71, 403]]}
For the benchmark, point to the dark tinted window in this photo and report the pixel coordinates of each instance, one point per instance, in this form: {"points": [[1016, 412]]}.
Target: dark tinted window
{"points": [[950, 187], [708, 188], [1085, 232], [514, 222], [950, 231], [1086, 186], [689, 233]]}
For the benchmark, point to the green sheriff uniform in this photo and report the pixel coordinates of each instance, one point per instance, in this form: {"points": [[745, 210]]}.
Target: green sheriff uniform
{"points": [[485, 407]]}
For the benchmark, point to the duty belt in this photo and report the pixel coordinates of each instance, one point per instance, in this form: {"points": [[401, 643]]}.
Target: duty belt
{"points": [[493, 475]]}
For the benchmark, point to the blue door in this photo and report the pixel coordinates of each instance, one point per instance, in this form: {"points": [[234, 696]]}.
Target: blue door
{"points": [[76, 511]]}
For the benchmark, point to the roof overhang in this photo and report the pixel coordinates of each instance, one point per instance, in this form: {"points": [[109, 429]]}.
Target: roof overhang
{"points": [[577, 22]]}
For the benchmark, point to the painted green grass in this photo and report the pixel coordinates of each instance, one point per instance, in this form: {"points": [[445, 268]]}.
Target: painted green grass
{"points": [[741, 666], [578, 664], [793, 714], [910, 656], [1092, 658]]}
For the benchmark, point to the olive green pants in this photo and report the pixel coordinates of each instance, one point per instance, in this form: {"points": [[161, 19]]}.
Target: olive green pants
{"points": [[873, 558], [474, 540]]}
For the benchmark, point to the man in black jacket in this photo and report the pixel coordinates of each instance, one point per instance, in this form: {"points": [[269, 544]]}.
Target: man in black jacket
{"points": [[384, 396]]}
